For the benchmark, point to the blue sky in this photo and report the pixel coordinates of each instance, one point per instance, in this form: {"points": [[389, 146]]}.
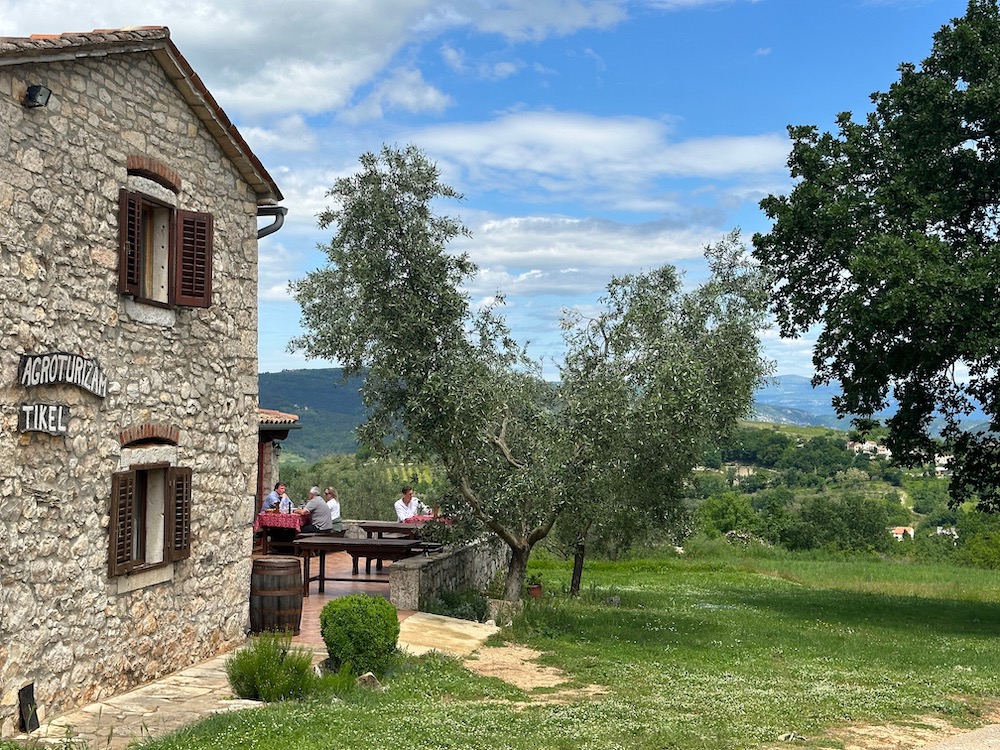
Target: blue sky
{"points": [[589, 137]]}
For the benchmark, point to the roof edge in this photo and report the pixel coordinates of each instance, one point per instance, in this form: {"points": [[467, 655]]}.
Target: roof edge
{"points": [[41, 48]]}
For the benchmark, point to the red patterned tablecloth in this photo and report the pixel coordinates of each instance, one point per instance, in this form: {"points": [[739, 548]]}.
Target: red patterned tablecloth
{"points": [[280, 521]]}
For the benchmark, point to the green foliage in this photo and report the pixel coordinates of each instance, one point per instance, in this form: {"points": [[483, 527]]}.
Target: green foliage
{"points": [[645, 388], [704, 484], [464, 605], [927, 494], [269, 669], [495, 588], [729, 511], [888, 243], [761, 447], [897, 514], [360, 633], [842, 522], [979, 540]]}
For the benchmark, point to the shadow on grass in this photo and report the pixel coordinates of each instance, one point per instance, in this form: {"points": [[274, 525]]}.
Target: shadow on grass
{"points": [[906, 614]]}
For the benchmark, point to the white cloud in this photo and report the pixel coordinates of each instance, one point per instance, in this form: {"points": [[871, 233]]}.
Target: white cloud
{"points": [[521, 20], [404, 89], [290, 133], [610, 161], [559, 244], [598, 60], [453, 58], [457, 61]]}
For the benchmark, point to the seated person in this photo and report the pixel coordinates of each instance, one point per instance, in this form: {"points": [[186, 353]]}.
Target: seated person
{"points": [[319, 513], [274, 497], [333, 502], [409, 505]]}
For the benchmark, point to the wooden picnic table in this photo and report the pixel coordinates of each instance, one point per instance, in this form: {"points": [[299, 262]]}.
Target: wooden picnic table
{"points": [[319, 546], [399, 529]]}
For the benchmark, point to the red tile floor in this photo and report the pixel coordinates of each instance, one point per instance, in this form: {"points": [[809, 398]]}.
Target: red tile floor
{"points": [[338, 565]]}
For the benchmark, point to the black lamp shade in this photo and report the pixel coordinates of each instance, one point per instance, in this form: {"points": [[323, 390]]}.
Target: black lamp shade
{"points": [[37, 96]]}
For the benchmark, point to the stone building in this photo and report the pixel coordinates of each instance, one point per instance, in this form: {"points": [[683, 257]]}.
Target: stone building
{"points": [[129, 212]]}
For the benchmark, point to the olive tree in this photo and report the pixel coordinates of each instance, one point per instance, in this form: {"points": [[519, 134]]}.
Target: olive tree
{"points": [[889, 244], [447, 382], [653, 381], [450, 384]]}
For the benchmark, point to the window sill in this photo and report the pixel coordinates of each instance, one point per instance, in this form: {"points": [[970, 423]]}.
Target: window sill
{"points": [[150, 313], [142, 579]]}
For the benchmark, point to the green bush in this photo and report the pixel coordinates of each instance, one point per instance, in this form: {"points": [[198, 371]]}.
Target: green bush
{"points": [[268, 669], [464, 605], [982, 549], [360, 633]]}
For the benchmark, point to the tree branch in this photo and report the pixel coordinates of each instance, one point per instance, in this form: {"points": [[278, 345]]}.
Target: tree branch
{"points": [[500, 441], [477, 508]]}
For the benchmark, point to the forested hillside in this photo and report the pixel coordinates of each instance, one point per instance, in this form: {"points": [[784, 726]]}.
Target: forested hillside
{"points": [[329, 408]]}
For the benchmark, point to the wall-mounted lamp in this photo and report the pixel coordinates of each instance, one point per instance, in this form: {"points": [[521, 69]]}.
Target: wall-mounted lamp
{"points": [[36, 96]]}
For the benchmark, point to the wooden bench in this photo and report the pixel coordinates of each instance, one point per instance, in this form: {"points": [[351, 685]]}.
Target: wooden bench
{"points": [[319, 545]]}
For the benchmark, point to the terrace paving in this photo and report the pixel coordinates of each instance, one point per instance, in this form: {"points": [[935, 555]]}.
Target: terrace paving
{"points": [[196, 692]]}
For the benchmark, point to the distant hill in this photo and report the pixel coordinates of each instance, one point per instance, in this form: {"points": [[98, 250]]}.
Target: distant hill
{"points": [[791, 399], [330, 408]]}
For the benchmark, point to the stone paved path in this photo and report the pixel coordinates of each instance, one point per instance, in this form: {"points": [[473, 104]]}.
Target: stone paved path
{"points": [[194, 693]]}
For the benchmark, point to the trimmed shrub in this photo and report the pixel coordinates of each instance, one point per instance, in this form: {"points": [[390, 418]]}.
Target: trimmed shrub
{"points": [[269, 669], [360, 633]]}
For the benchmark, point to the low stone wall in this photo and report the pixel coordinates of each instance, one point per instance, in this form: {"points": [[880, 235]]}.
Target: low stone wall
{"points": [[352, 530], [417, 579]]}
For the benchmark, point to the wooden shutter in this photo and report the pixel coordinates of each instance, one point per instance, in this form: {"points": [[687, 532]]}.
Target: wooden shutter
{"points": [[178, 514], [122, 527], [130, 242], [193, 260]]}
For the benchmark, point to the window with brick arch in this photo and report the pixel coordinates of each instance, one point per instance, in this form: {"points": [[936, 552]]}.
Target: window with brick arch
{"points": [[165, 253], [150, 518]]}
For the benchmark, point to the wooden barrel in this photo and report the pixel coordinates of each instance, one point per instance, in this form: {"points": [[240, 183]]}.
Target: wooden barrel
{"points": [[276, 594]]}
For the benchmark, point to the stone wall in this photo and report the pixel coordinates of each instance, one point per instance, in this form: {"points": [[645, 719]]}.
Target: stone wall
{"points": [[66, 627], [417, 579]]}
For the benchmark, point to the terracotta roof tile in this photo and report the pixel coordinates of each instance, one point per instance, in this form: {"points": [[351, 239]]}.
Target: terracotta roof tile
{"points": [[271, 416]]}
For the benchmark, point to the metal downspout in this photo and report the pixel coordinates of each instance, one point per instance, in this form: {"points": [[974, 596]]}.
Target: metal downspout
{"points": [[278, 212]]}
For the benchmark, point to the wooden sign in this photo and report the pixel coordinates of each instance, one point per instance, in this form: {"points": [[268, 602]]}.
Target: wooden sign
{"points": [[50, 418], [62, 367]]}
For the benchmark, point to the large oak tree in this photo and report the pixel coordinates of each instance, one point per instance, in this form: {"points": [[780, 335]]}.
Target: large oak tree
{"points": [[889, 242]]}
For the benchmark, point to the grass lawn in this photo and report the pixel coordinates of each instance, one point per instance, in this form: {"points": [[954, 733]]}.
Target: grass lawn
{"points": [[693, 653]]}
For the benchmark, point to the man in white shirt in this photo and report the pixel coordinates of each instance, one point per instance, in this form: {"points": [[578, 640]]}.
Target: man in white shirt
{"points": [[409, 505]]}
